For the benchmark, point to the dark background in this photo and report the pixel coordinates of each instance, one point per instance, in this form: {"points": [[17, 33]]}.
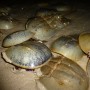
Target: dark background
{"points": [[11, 2]]}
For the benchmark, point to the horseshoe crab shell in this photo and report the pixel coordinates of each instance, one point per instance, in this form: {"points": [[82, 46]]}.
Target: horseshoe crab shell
{"points": [[29, 55], [63, 74], [84, 42], [17, 38], [40, 28], [45, 28], [6, 22], [56, 21], [67, 46], [4, 10]]}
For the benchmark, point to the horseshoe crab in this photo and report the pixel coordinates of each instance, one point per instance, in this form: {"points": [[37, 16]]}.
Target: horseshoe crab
{"points": [[6, 22], [84, 41], [29, 55], [62, 73], [67, 46], [46, 27], [17, 38]]}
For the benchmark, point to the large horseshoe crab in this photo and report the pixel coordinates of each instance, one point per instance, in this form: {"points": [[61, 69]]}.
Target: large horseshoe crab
{"points": [[63, 74], [28, 55], [46, 27]]}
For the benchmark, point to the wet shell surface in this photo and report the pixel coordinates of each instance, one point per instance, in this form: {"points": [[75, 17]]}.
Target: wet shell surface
{"points": [[63, 74], [84, 42], [29, 55], [40, 28], [68, 47], [6, 22], [17, 38], [45, 28], [56, 21]]}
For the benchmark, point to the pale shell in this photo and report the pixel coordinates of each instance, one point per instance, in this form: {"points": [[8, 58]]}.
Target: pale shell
{"points": [[17, 38], [46, 27], [67, 46], [6, 23], [40, 28], [84, 42], [29, 55], [63, 74]]}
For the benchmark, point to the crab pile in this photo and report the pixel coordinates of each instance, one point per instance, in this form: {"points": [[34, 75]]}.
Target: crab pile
{"points": [[27, 49]]}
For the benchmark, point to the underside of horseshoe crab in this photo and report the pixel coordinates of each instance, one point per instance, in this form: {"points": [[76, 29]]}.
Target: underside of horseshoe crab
{"points": [[63, 74]]}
